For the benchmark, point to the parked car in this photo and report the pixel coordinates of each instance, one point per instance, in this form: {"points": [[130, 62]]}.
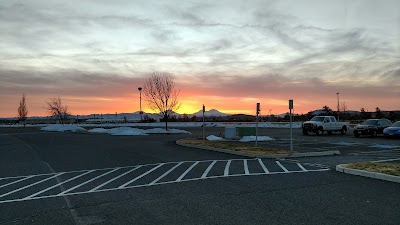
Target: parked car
{"points": [[393, 130], [371, 127]]}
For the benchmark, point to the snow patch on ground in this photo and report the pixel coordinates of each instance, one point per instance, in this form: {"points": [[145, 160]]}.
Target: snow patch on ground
{"points": [[253, 138], [125, 131], [113, 131], [384, 146], [136, 131], [63, 127], [214, 138]]}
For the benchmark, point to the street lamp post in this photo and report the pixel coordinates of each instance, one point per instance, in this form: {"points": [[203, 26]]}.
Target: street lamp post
{"points": [[140, 102], [338, 110]]}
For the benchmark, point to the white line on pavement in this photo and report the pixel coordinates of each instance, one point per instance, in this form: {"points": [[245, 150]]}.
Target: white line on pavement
{"points": [[115, 178], [226, 171], [245, 167], [301, 167], [166, 173], [208, 169], [281, 166], [42, 191], [161, 183], [17, 181], [137, 178], [263, 166], [19, 189], [187, 171], [95, 178]]}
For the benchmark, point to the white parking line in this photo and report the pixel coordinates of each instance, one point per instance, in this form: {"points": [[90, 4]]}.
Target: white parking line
{"points": [[166, 173], [116, 174], [73, 178], [137, 178], [208, 169], [187, 171], [301, 167], [115, 178], [17, 181], [19, 189], [263, 166], [80, 185], [246, 168], [281, 166], [226, 171]]}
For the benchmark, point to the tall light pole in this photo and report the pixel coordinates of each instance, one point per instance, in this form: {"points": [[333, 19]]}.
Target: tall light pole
{"points": [[338, 110], [140, 112]]}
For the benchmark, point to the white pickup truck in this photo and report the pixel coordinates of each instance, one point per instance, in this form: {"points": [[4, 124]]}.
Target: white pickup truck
{"points": [[319, 124]]}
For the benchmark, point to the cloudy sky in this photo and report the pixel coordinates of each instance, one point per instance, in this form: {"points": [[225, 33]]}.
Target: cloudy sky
{"points": [[228, 55]]}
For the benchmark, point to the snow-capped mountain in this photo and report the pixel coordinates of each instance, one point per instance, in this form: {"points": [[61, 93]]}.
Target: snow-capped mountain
{"points": [[210, 113]]}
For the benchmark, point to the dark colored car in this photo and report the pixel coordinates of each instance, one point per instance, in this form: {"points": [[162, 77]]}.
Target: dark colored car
{"points": [[393, 130], [371, 127]]}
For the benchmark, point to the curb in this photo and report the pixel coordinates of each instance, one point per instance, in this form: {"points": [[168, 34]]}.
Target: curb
{"points": [[380, 176], [272, 156]]}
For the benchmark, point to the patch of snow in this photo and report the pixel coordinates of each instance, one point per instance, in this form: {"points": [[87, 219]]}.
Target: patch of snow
{"points": [[345, 143], [63, 127], [125, 131], [253, 138], [384, 146], [98, 130], [214, 138], [136, 131]]}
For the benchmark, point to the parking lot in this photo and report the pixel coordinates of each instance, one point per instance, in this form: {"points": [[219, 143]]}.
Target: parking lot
{"points": [[71, 178]]}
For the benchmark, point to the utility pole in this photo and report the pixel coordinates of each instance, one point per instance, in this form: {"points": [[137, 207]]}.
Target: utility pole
{"points": [[140, 102], [338, 110]]}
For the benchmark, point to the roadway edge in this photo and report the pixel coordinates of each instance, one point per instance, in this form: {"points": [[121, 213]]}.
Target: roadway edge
{"points": [[342, 168], [273, 156]]}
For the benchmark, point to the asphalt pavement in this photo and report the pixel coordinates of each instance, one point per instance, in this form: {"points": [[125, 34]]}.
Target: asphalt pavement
{"points": [[70, 178]]}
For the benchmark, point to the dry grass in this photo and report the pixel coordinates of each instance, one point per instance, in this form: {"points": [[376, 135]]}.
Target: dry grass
{"points": [[236, 146], [386, 168]]}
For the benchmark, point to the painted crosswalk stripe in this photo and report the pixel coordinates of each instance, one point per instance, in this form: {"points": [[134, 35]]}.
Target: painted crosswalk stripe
{"points": [[115, 178], [187, 171], [301, 167], [28, 186], [246, 167], [226, 171], [17, 181], [208, 169], [144, 174], [49, 188], [281, 166], [263, 166], [95, 178], [166, 173]]}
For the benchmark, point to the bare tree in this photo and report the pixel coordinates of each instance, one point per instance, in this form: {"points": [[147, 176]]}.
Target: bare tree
{"points": [[22, 110], [343, 106], [56, 108], [160, 94]]}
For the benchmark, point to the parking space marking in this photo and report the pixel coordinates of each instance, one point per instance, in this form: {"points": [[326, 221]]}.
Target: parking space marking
{"points": [[208, 169], [228, 164], [281, 166], [25, 187], [43, 186], [263, 166], [187, 171]]}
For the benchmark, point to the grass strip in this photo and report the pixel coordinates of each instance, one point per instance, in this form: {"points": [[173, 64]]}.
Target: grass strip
{"points": [[235, 145], [386, 168]]}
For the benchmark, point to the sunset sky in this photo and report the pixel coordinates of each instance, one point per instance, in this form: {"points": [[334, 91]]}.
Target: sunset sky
{"points": [[228, 55]]}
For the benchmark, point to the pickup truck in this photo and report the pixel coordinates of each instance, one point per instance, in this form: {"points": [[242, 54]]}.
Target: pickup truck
{"points": [[319, 124]]}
